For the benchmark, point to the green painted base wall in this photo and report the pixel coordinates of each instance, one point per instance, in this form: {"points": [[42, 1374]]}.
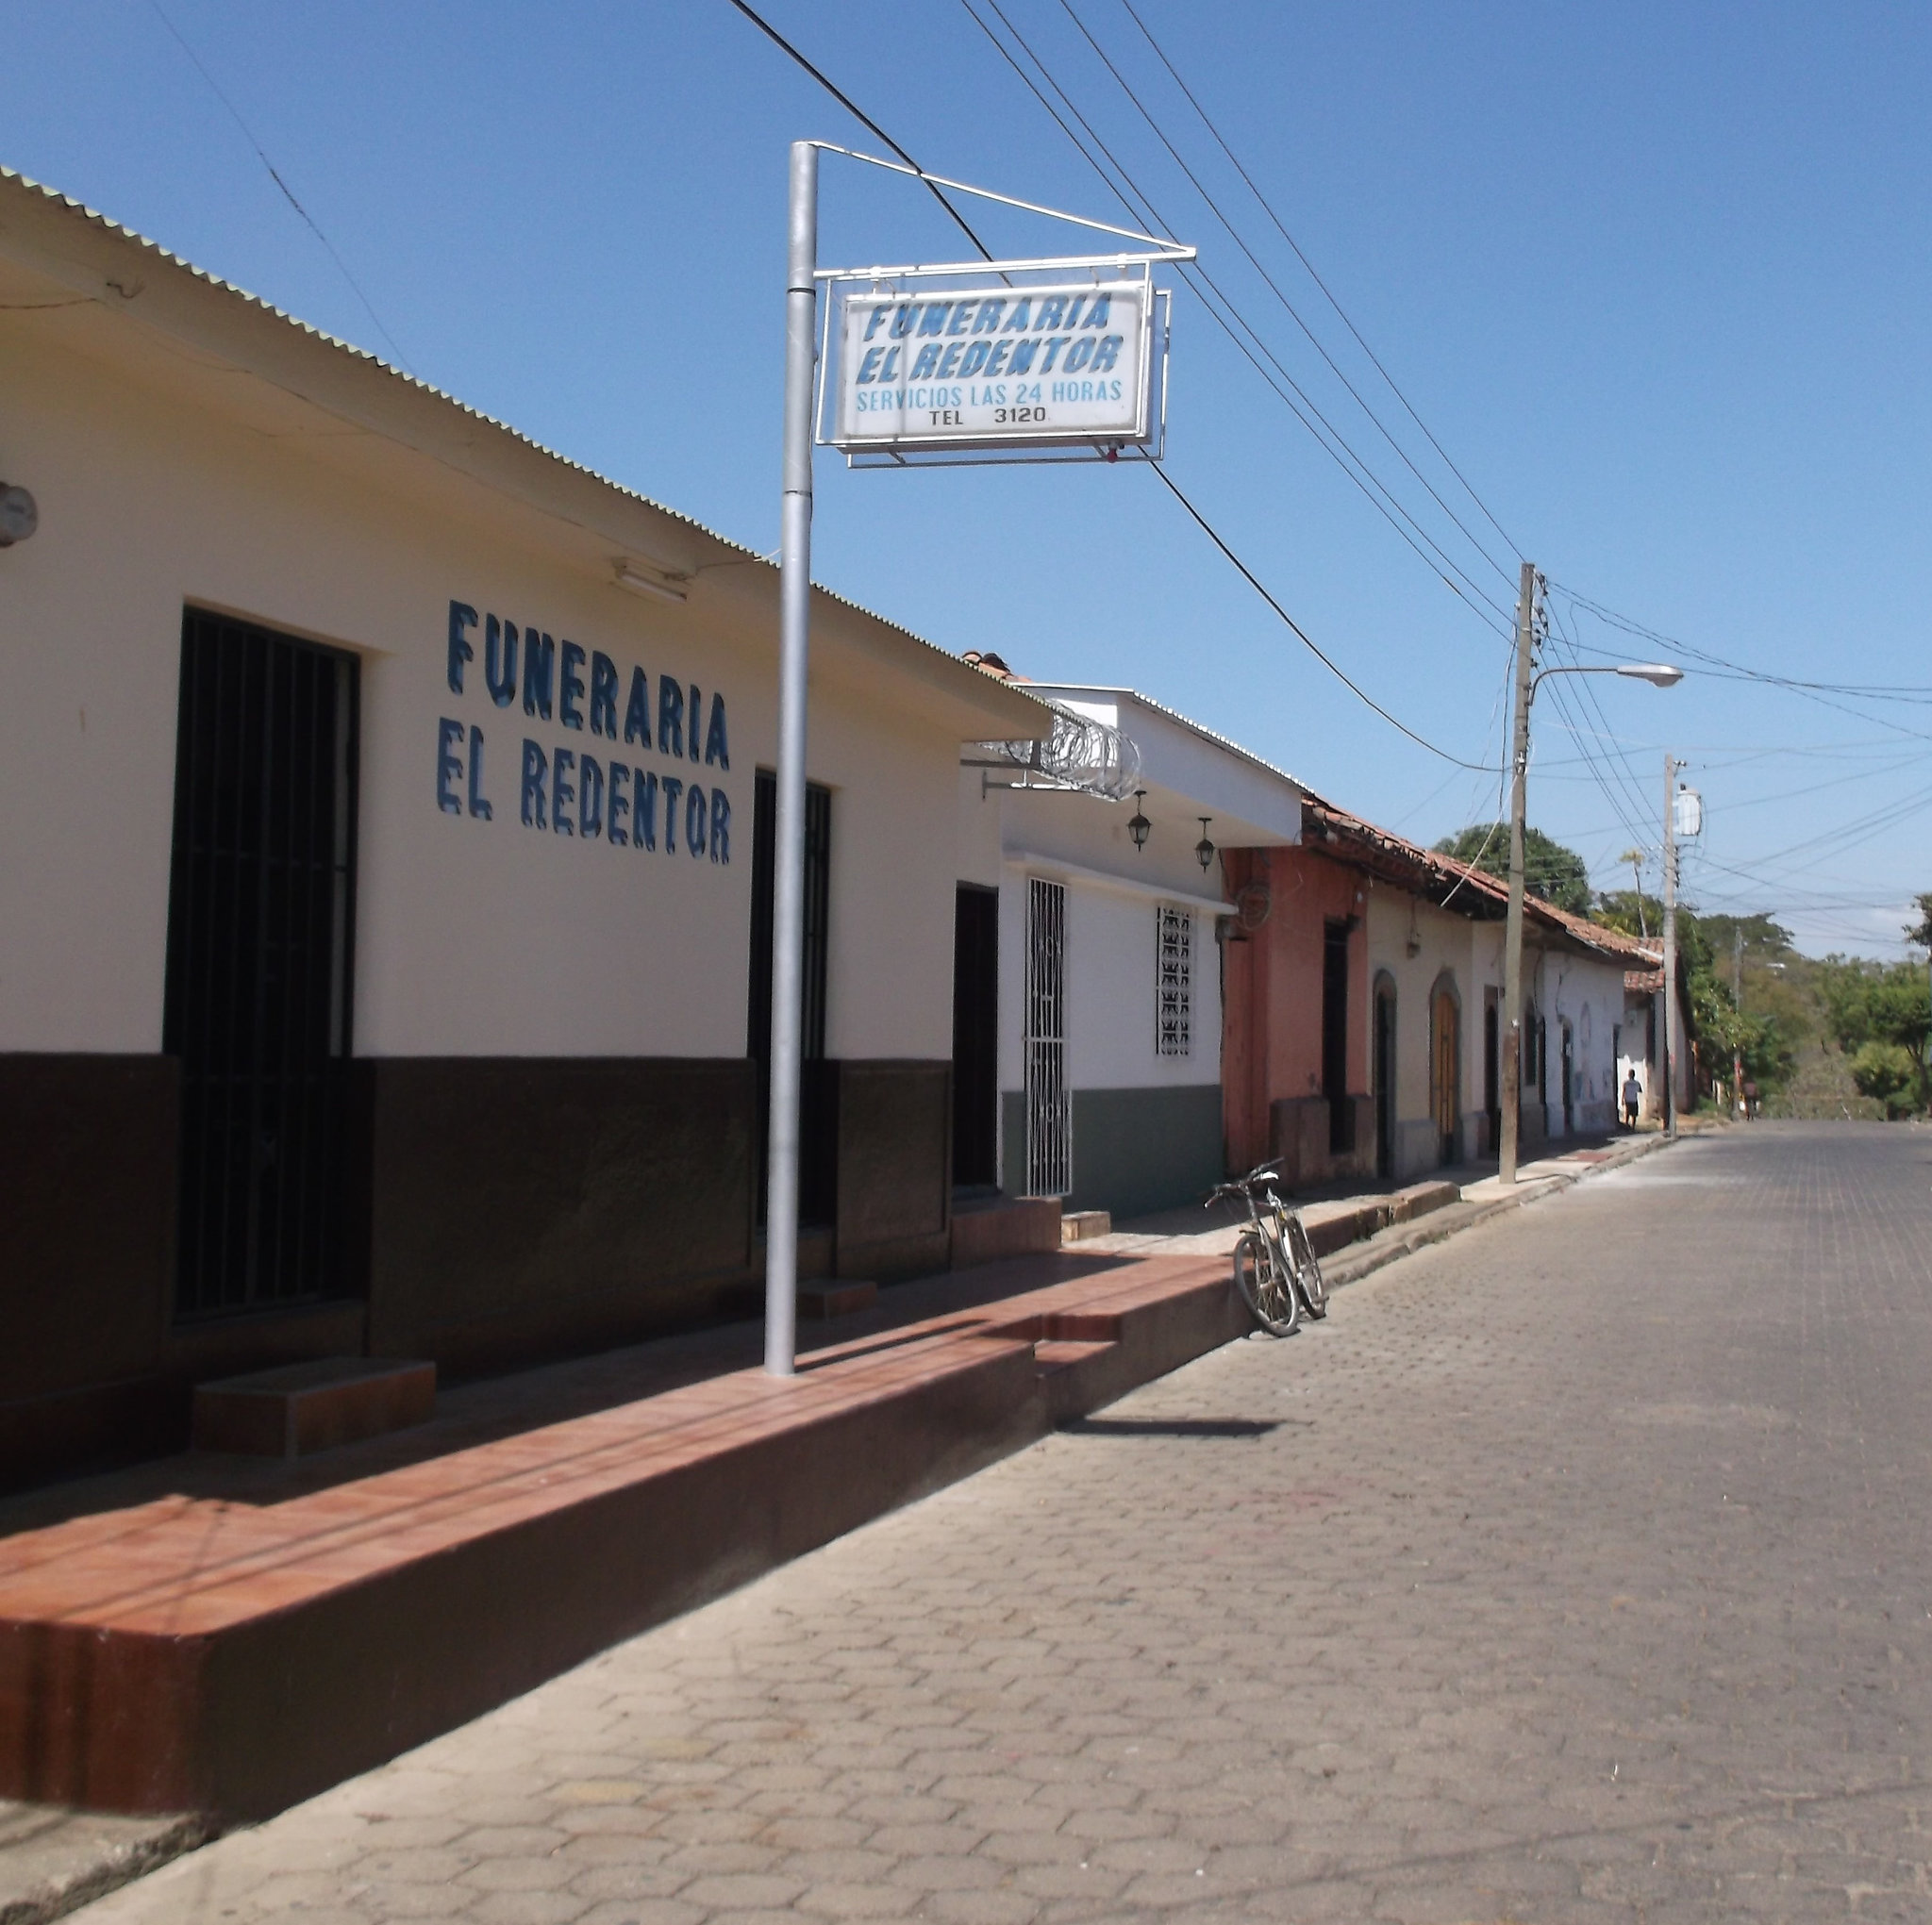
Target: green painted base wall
{"points": [[1134, 1151]]}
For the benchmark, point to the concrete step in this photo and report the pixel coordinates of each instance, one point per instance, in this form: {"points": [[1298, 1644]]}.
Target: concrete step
{"points": [[312, 1406], [1076, 1226], [990, 1229], [823, 1302]]}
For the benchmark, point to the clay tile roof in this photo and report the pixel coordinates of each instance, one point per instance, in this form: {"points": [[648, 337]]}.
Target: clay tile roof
{"points": [[1442, 880]]}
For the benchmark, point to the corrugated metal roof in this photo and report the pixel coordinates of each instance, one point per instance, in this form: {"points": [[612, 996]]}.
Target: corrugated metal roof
{"points": [[15, 181]]}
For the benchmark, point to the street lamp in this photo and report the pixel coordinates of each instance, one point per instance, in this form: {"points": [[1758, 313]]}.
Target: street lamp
{"points": [[1659, 675]]}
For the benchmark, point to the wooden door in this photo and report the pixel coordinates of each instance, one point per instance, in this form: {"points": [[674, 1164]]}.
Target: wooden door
{"points": [[1444, 1079]]}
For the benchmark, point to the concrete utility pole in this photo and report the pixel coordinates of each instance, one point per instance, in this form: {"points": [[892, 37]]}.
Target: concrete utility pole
{"points": [[794, 646], [1512, 940], [1670, 1041], [1737, 1008]]}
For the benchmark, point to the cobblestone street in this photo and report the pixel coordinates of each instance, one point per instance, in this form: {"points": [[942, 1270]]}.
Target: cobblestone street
{"points": [[1575, 1569]]}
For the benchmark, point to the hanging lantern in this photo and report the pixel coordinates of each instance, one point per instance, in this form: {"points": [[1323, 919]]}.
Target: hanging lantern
{"points": [[1204, 849], [1139, 827]]}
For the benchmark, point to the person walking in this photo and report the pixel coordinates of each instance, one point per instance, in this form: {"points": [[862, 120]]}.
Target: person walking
{"points": [[1633, 1100]]}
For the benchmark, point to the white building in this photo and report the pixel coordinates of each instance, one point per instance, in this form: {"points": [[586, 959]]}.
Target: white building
{"points": [[381, 839], [1108, 1064]]}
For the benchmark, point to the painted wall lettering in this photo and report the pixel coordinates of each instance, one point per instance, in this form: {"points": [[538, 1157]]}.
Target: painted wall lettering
{"points": [[564, 792], [462, 617], [449, 767]]}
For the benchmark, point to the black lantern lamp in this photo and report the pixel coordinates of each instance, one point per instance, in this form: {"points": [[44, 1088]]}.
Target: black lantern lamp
{"points": [[1139, 827], [1204, 849]]}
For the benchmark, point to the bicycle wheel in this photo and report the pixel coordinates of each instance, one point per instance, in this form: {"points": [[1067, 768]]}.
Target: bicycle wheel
{"points": [[1307, 1271], [1264, 1286]]}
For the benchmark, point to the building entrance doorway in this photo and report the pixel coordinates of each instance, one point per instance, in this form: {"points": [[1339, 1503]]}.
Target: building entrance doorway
{"points": [[1385, 1080], [1569, 1074], [1492, 1072], [976, 1037], [1445, 1070], [259, 950], [1335, 1039]]}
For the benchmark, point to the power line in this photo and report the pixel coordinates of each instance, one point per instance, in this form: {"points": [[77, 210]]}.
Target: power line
{"points": [[864, 119], [1373, 487], [1275, 287], [1201, 521], [1912, 691], [275, 175], [1268, 209], [1301, 635]]}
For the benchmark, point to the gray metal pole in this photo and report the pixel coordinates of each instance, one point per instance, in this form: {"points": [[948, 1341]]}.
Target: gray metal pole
{"points": [[1512, 941], [1670, 1040], [794, 646]]}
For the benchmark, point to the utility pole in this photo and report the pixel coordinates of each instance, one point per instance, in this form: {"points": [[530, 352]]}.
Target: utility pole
{"points": [[1670, 1111], [1512, 940], [795, 645], [1738, 1011]]}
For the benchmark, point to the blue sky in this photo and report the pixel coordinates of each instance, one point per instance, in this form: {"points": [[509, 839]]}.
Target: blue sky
{"points": [[1656, 278]]}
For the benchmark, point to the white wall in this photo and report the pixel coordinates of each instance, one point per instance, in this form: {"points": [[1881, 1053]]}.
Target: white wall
{"points": [[472, 937], [1587, 993]]}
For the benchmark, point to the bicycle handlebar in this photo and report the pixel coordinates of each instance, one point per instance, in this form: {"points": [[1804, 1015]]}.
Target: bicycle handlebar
{"points": [[1246, 1186]]}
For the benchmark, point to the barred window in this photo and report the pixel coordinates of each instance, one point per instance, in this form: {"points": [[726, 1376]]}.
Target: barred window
{"points": [[1175, 1004]]}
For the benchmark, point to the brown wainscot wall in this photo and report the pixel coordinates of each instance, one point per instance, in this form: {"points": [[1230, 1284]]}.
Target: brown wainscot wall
{"points": [[503, 1211], [1299, 1137]]}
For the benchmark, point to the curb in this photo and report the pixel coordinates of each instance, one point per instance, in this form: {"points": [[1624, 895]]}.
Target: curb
{"points": [[1446, 1223], [75, 1871]]}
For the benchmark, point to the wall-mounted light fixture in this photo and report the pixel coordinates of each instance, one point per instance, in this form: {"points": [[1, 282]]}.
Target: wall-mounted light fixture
{"points": [[19, 514], [666, 589], [1139, 827], [1204, 849]]}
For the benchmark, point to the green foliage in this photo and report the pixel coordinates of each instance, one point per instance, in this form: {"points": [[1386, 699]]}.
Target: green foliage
{"points": [[1878, 1013], [1889, 1072], [1779, 1015], [1619, 909], [1920, 931], [1558, 875]]}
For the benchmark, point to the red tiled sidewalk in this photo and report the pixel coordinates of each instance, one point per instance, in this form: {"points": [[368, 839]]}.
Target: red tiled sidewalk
{"points": [[234, 1650]]}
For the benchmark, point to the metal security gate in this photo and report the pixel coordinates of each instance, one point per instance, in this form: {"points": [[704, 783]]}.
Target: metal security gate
{"points": [[1049, 1107], [259, 948]]}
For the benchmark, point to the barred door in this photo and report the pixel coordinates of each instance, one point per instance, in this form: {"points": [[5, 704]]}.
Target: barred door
{"points": [[258, 963], [1049, 1107]]}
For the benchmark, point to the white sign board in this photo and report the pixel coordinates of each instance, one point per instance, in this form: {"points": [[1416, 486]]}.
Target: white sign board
{"points": [[952, 368]]}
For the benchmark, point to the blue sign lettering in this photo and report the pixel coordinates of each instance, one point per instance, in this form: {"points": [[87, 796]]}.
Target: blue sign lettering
{"points": [[565, 791]]}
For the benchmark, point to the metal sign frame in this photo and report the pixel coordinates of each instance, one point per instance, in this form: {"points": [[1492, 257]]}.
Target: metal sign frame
{"points": [[1147, 441]]}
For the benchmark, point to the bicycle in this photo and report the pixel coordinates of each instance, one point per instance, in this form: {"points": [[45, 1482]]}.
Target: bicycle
{"points": [[1275, 1268]]}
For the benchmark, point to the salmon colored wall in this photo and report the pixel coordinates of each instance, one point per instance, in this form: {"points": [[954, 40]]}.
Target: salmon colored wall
{"points": [[1272, 1044]]}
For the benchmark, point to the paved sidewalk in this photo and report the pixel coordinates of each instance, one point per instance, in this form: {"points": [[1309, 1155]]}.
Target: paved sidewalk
{"points": [[1193, 1230], [1553, 1578]]}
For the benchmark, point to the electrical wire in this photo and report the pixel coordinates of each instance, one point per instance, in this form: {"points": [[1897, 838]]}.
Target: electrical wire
{"points": [[275, 175], [864, 119], [1235, 325], [1267, 209], [1201, 521], [1354, 688], [1275, 287]]}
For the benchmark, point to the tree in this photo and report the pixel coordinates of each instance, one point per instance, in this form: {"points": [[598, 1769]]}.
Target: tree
{"points": [[1558, 875], [1879, 1003], [1920, 931], [1887, 1072]]}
